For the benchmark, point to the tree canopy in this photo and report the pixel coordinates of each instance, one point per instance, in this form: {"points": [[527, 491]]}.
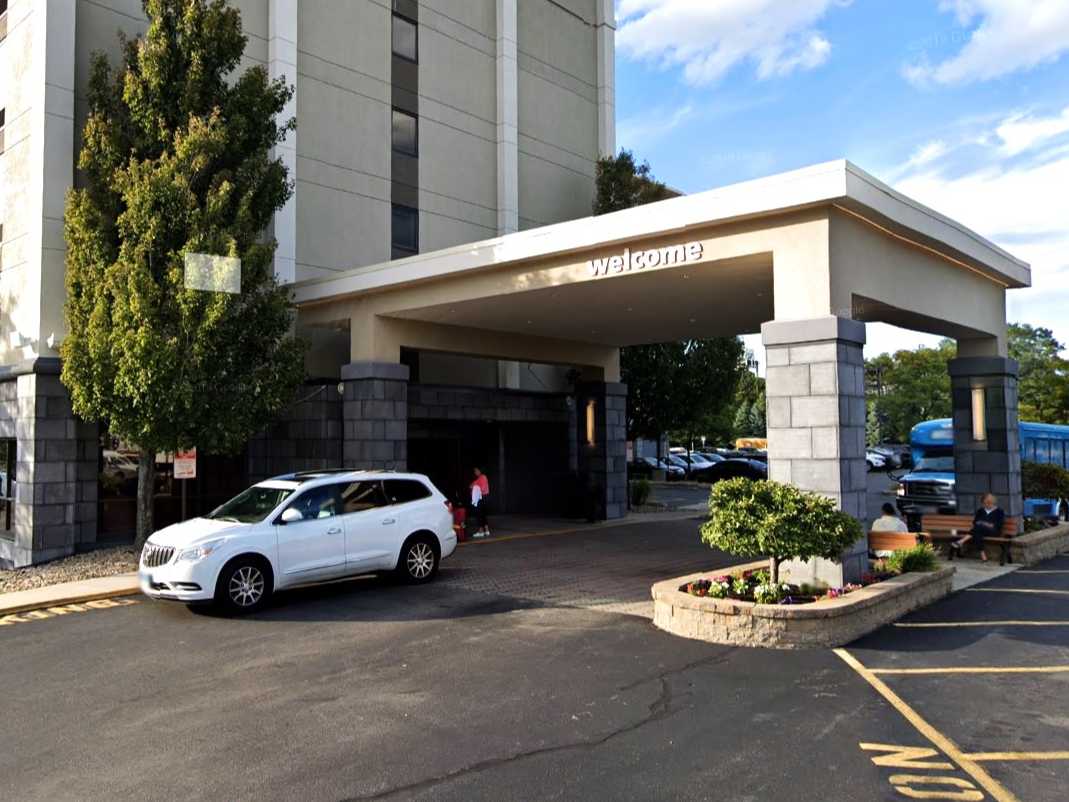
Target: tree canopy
{"points": [[908, 387], [1043, 381], [177, 158], [622, 183]]}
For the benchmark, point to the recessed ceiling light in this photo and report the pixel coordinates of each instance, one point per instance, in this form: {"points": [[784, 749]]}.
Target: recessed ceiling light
{"points": [[692, 320]]}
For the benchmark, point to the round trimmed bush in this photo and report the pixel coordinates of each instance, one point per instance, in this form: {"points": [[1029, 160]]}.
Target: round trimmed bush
{"points": [[764, 518]]}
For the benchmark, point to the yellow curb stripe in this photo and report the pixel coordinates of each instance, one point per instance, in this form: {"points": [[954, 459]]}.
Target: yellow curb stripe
{"points": [[940, 741], [981, 756], [60, 601], [975, 670], [937, 624], [548, 532], [43, 613], [1019, 590], [1044, 571]]}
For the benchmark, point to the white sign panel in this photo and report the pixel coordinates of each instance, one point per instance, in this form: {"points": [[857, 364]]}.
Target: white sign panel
{"points": [[185, 464], [640, 260], [213, 273]]}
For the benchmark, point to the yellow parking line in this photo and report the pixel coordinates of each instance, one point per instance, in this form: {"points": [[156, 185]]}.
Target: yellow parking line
{"points": [[976, 670], [1030, 571], [947, 746], [1019, 590], [982, 756], [936, 624]]}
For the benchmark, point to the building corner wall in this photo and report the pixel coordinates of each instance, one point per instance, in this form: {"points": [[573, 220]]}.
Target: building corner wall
{"points": [[508, 181], [605, 31], [282, 64]]}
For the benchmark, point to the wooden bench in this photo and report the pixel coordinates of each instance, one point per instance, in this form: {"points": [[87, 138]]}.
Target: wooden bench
{"points": [[893, 541], [938, 529]]}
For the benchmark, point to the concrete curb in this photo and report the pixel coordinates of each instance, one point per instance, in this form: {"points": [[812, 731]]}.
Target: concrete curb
{"points": [[105, 587]]}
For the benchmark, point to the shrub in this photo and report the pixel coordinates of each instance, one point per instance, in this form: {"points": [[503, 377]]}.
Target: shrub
{"points": [[1043, 480], [640, 492], [763, 518], [918, 558]]}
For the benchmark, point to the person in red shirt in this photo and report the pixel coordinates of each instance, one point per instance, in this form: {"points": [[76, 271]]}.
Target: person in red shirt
{"points": [[480, 497], [460, 518]]}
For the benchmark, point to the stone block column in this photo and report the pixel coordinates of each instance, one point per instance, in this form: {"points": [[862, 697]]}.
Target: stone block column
{"points": [[56, 468], [992, 464], [601, 418], [375, 415], [815, 400]]}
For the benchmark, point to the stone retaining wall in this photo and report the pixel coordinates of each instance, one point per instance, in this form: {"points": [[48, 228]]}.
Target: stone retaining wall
{"points": [[823, 624], [1035, 547]]}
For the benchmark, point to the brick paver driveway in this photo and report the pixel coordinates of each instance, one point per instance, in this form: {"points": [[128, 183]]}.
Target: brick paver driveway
{"points": [[608, 569]]}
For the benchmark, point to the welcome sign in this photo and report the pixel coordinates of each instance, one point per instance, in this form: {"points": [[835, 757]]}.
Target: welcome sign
{"points": [[640, 260]]}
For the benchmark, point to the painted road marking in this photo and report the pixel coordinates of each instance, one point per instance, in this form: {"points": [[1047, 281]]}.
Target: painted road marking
{"points": [[975, 670], [934, 624], [940, 741], [63, 609], [1019, 590], [1042, 571], [1018, 756]]}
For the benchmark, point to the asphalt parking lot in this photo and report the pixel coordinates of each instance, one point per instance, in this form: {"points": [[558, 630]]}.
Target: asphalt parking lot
{"points": [[530, 672]]}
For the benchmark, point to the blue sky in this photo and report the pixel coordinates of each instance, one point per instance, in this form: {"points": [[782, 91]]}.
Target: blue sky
{"points": [[961, 104]]}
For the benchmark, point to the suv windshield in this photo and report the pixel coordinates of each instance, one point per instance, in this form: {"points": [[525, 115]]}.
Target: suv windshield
{"points": [[251, 506], [935, 465]]}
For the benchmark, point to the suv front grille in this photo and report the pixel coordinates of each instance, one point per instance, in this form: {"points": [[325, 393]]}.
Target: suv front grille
{"points": [[154, 556], [933, 490]]}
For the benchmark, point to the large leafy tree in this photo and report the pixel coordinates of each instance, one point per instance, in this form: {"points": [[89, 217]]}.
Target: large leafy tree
{"points": [[1043, 387], [909, 387], [177, 159]]}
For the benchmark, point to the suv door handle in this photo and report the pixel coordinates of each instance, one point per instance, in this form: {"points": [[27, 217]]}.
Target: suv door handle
{"points": [[388, 521], [334, 530]]}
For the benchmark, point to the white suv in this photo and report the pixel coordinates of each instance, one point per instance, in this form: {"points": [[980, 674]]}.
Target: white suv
{"points": [[300, 529]]}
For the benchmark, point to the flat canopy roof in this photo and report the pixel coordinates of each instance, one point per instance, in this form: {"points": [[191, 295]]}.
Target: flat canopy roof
{"points": [[837, 184]]}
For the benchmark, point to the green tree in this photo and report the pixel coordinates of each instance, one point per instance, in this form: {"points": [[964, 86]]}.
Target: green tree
{"points": [[750, 407], [177, 159], [1043, 381], [622, 183], [776, 520], [680, 387], [909, 387]]}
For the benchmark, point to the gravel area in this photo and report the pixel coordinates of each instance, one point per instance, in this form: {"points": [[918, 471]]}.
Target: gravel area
{"points": [[105, 562]]}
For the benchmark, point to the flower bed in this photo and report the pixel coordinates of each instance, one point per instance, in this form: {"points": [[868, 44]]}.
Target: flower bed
{"points": [[832, 620], [756, 586]]}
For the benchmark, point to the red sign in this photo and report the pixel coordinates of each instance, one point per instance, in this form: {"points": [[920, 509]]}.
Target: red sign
{"points": [[185, 464]]}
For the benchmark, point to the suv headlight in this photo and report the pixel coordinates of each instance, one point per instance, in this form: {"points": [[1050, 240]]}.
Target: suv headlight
{"points": [[901, 490], [198, 552]]}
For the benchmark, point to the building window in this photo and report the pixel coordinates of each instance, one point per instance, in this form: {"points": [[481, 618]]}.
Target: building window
{"points": [[405, 136], [405, 38], [7, 485], [405, 231]]}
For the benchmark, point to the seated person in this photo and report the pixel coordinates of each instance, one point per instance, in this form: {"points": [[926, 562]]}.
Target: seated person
{"points": [[987, 522], [889, 521]]}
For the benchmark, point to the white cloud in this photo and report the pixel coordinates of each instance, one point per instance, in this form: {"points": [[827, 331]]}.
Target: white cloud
{"points": [[710, 37], [1011, 35], [643, 130], [1021, 133]]}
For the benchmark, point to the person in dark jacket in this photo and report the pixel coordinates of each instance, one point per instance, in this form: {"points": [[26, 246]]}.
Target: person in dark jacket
{"points": [[987, 522]]}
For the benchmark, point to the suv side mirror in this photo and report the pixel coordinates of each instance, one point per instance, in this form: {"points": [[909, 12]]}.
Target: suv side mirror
{"points": [[290, 516]]}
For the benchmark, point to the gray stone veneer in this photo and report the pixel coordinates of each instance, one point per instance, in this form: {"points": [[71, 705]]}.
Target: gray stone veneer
{"points": [[993, 464], [56, 470], [603, 463], [307, 436], [815, 397], [375, 416]]}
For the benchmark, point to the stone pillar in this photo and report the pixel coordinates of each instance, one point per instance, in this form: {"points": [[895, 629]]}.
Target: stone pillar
{"points": [[815, 389], [375, 415], [55, 472], [993, 464], [602, 448]]}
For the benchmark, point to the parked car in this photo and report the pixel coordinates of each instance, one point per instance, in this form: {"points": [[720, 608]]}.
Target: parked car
{"points": [[731, 469], [875, 460], [643, 468], [682, 464], [710, 456], [892, 459], [300, 529]]}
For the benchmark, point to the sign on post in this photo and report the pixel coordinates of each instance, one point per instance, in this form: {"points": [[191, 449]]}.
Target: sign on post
{"points": [[185, 464]]}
